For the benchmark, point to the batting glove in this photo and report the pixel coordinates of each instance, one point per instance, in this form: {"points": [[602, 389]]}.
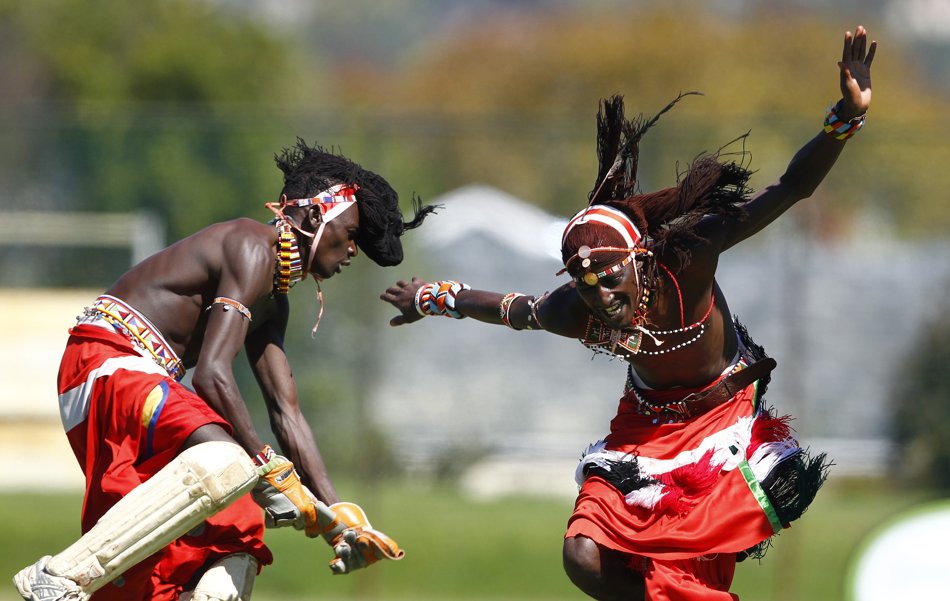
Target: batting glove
{"points": [[356, 544], [285, 499]]}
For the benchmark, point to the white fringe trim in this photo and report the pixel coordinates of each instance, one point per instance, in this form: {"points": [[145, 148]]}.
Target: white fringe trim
{"points": [[770, 454], [646, 497], [739, 435]]}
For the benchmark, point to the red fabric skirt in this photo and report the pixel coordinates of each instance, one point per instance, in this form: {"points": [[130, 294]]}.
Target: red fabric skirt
{"points": [[687, 545], [125, 424]]}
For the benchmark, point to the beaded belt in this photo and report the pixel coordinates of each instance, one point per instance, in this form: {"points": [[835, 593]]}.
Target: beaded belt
{"points": [[697, 403], [129, 322]]}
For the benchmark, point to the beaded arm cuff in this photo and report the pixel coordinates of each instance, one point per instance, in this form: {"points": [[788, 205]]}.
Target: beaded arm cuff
{"points": [[505, 306], [838, 129], [438, 298]]}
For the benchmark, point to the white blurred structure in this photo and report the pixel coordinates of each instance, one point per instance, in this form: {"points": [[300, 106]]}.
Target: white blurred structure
{"points": [[474, 388], [906, 559], [33, 325], [33, 332]]}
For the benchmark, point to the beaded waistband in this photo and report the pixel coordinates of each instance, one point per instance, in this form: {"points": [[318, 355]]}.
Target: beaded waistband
{"points": [[129, 322], [678, 408]]}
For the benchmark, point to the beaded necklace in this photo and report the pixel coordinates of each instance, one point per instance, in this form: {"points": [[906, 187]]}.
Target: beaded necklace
{"points": [[669, 411], [289, 267], [701, 324]]}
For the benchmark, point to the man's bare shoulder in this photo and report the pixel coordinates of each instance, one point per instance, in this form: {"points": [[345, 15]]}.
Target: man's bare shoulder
{"points": [[197, 263], [240, 245], [240, 225]]}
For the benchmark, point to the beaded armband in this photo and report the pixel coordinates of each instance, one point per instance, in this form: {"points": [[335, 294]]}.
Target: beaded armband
{"points": [[838, 129], [230, 302], [438, 298], [505, 306]]}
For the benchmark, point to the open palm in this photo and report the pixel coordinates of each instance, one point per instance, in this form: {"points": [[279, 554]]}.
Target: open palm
{"points": [[855, 69]]}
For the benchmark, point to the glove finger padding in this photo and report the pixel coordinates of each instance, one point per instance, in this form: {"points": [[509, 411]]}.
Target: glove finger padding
{"points": [[374, 545], [355, 542], [286, 501], [347, 558]]}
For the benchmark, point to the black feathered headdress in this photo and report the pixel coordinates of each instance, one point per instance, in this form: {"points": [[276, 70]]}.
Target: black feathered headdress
{"points": [[667, 217]]}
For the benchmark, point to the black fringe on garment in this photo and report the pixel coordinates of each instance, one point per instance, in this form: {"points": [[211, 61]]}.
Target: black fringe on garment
{"points": [[756, 352], [625, 476], [792, 485]]}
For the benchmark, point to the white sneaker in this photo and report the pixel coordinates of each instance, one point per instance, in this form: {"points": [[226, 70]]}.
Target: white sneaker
{"points": [[36, 584]]}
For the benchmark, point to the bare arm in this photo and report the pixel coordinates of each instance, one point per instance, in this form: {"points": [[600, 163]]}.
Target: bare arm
{"points": [[244, 280], [560, 312], [815, 159], [294, 435]]}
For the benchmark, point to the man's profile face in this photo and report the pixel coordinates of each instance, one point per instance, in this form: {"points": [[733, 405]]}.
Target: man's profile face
{"points": [[337, 245]]}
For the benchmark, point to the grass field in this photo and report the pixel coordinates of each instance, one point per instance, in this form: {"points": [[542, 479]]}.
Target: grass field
{"points": [[501, 550]]}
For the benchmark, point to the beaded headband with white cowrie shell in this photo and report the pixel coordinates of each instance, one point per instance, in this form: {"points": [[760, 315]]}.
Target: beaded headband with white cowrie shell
{"points": [[615, 220]]}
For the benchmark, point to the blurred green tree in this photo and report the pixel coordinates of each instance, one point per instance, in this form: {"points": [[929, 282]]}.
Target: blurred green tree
{"points": [[921, 405], [121, 106]]}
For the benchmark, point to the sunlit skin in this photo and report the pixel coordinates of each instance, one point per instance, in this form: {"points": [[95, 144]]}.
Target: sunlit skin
{"points": [[599, 572], [337, 246], [236, 259]]}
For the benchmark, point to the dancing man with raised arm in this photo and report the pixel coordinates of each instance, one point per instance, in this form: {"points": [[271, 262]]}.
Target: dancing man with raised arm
{"points": [[696, 472], [166, 514]]}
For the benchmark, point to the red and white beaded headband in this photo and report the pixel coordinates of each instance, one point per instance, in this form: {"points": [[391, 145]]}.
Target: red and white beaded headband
{"points": [[331, 201], [608, 217]]}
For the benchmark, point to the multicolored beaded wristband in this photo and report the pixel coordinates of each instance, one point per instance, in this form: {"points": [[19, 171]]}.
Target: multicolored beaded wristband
{"points": [[838, 129], [438, 298]]}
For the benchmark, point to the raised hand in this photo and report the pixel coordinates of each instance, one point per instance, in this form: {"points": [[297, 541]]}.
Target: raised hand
{"points": [[855, 66]]}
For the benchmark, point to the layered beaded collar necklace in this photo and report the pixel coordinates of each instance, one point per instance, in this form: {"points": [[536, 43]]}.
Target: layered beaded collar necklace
{"points": [[603, 339], [289, 268]]}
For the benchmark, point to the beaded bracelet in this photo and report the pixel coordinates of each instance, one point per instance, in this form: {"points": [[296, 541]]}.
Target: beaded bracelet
{"points": [[505, 306], [438, 298], [534, 321], [838, 129]]}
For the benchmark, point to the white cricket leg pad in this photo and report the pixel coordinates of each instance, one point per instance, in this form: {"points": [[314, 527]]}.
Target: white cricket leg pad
{"points": [[230, 578], [201, 481]]}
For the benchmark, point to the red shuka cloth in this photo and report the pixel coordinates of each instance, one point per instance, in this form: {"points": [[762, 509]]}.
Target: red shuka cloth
{"points": [[117, 452], [724, 520]]}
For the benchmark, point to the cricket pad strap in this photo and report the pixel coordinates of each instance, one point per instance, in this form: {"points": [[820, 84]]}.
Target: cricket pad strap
{"points": [[201, 481]]}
